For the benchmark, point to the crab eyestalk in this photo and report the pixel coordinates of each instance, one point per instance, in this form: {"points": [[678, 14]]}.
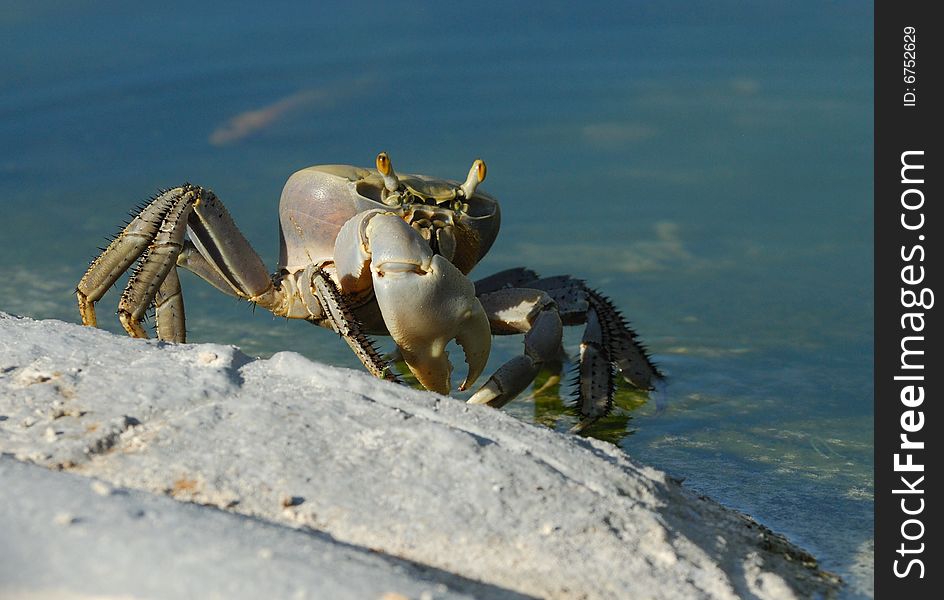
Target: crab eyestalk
{"points": [[385, 167], [475, 177]]}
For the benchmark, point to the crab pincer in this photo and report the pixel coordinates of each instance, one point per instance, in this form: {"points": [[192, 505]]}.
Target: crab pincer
{"points": [[425, 300]]}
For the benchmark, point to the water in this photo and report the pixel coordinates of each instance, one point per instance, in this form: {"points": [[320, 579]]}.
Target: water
{"points": [[706, 165]]}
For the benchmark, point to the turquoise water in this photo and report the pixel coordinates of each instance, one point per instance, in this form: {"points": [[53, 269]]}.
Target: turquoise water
{"points": [[706, 165]]}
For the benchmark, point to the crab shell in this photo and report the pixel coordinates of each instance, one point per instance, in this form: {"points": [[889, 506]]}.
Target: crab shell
{"points": [[316, 202]]}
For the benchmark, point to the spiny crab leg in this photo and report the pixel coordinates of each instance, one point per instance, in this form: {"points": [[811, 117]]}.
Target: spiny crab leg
{"points": [[575, 301], [348, 327], [424, 299], [608, 343], [156, 239], [155, 235], [157, 261]]}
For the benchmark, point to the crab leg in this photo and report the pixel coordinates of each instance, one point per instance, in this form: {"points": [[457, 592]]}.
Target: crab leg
{"points": [[155, 238], [191, 259], [626, 352], [576, 301], [169, 310], [510, 278], [595, 381], [157, 261], [126, 248], [608, 343], [219, 241], [527, 311], [348, 327]]}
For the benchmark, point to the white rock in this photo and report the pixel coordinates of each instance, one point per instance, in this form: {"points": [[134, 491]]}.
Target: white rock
{"points": [[469, 492]]}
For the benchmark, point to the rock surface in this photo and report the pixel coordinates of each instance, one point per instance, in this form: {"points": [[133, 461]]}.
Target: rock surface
{"points": [[194, 470]]}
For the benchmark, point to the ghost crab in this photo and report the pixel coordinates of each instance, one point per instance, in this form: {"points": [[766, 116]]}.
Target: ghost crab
{"points": [[370, 252]]}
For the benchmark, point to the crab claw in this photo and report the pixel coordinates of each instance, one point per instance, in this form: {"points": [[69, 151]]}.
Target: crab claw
{"points": [[425, 302]]}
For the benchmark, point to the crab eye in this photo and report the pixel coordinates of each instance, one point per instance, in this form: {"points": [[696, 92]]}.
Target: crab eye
{"points": [[480, 169], [476, 176], [391, 182], [383, 163]]}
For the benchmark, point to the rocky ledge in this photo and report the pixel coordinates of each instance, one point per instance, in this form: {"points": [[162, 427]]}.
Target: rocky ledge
{"points": [[147, 469]]}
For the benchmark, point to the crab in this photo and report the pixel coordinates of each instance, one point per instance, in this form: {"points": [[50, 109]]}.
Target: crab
{"points": [[372, 252]]}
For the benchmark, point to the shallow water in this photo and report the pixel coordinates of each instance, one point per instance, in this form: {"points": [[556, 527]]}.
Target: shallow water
{"points": [[706, 165]]}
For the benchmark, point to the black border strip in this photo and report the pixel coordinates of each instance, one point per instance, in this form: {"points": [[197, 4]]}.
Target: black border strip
{"points": [[907, 271]]}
